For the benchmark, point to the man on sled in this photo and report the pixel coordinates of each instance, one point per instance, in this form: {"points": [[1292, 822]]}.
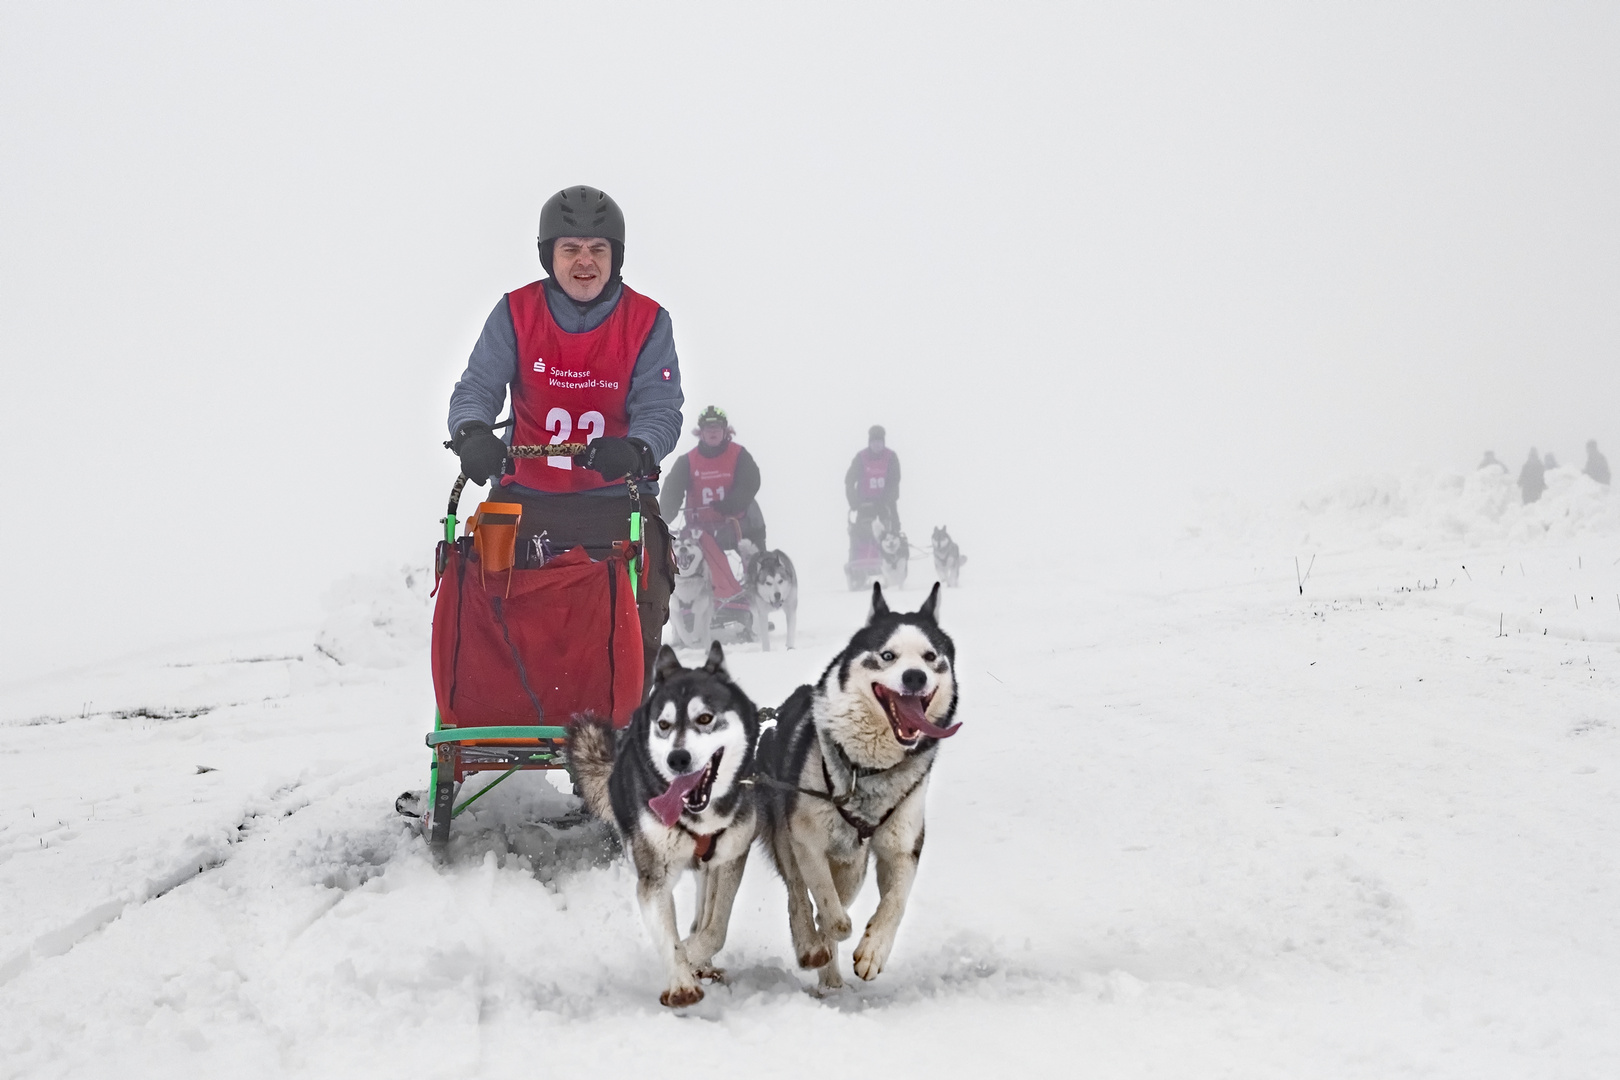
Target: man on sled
{"points": [[718, 480], [585, 359]]}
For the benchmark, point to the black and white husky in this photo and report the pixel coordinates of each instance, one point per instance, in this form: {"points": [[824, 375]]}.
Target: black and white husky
{"points": [[675, 786], [948, 558], [843, 777], [773, 586]]}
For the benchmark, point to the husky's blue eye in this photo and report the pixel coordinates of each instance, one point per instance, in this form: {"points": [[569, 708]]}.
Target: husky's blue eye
{"points": [[887, 655]]}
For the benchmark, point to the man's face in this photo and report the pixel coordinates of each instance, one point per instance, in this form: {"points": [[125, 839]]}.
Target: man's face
{"points": [[875, 446], [712, 434], [581, 265]]}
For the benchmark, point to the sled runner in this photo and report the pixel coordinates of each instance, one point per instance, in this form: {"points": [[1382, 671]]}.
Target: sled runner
{"points": [[524, 640]]}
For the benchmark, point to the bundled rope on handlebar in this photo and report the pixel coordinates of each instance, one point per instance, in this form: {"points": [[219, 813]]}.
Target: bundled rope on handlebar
{"points": [[567, 449]]}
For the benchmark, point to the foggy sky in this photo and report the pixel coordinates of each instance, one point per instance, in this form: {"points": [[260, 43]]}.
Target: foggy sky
{"points": [[1080, 261]]}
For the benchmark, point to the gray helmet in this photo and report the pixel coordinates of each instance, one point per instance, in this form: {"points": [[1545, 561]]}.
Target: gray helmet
{"points": [[581, 211]]}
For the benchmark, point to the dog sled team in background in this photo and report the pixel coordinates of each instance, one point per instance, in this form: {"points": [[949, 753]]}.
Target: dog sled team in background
{"points": [[713, 489], [837, 778]]}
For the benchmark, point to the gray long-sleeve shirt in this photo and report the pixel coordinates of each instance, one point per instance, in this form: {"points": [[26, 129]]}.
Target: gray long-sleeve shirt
{"points": [[652, 403]]}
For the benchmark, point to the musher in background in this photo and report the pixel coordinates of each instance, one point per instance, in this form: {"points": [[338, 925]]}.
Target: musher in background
{"points": [[872, 484], [1532, 478], [1597, 466], [585, 359], [718, 480]]}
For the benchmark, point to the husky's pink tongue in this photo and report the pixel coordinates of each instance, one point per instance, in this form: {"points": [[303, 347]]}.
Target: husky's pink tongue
{"points": [[910, 708], [668, 805]]}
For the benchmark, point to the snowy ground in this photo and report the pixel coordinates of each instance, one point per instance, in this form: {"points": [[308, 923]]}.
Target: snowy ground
{"points": [[1196, 824]]}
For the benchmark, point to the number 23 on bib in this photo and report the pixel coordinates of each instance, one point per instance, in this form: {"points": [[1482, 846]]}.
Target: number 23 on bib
{"points": [[571, 387]]}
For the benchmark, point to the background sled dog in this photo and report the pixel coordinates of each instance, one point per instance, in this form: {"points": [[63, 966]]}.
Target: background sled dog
{"points": [[948, 558], [896, 555], [673, 786], [849, 762], [691, 605], [773, 586]]}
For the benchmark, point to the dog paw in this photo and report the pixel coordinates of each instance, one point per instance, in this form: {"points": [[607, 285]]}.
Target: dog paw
{"points": [[871, 954], [677, 997], [711, 974], [815, 956], [838, 928], [829, 981]]}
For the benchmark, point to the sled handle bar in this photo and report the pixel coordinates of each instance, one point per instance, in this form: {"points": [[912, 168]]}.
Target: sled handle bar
{"points": [[567, 449]]}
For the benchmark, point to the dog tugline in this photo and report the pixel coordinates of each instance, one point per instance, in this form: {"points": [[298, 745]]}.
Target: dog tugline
{"points": [[584, 359]]}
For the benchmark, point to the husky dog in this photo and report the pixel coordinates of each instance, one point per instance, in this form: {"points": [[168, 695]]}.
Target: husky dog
{"points": [[692, 606], [844, 774], [948, 558], [676, 785], [773, 586], [896, 556]]}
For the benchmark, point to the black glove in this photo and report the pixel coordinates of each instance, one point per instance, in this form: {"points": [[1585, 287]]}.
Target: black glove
{"points": [[482, 452], [616, 458]]}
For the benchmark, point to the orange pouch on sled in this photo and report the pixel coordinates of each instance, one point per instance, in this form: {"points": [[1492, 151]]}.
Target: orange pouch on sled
{"points": [[494, 529]]}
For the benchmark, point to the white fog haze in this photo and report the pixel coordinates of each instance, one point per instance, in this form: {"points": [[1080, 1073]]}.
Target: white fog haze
{"points": [[1150, 298], [1079, 262]]}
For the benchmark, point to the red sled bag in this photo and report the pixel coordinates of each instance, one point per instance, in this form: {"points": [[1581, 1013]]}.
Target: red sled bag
{"points": [[524, 647]]}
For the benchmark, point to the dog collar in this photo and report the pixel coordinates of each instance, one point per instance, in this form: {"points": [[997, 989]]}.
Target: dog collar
{"points": [[703, 843]]}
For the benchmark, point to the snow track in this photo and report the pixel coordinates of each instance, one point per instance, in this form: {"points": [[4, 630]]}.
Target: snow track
{"points": [[1195, 824]]}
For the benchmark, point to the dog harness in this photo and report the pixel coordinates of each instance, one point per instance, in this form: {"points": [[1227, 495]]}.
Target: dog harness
{"points": [[863, 828], [571, 387]]}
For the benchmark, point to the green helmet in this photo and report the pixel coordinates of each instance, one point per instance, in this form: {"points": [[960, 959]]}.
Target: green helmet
{"points": [[714, 414]]}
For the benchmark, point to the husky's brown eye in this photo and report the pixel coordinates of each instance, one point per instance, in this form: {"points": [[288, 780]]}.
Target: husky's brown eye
{"points": [[664, 725], [705, 720], [929, 658]]}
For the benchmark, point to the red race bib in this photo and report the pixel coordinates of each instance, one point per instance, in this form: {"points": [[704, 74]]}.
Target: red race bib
{"points": [[571, 387], [711, 477], [874, 477]]}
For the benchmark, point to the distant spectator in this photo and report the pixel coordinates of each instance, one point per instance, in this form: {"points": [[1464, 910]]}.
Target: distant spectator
{"points": [[1490, 462], [1549, 461], [1532, 478], [1597, 466]]}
